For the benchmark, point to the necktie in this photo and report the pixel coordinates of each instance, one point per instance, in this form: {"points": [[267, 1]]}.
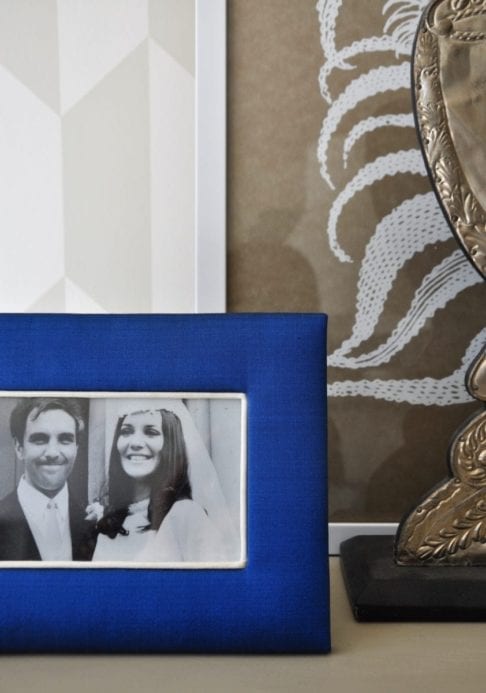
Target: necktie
{"points": [[53, 539]]}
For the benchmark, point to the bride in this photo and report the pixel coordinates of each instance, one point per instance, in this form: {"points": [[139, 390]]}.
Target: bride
{"points": [[153, 513]]}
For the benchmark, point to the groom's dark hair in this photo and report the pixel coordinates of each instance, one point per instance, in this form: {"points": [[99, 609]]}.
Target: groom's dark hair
{"points": [[38, 405]]}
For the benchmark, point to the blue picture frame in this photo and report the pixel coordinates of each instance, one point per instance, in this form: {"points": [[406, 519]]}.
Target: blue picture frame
{"points": [[278, 602]]}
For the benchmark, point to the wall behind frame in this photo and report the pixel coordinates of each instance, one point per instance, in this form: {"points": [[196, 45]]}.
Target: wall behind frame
{"points": [[383, 454]]}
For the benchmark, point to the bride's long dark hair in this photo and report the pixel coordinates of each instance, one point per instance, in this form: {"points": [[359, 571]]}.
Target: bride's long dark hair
{"points": [[169, 482]]}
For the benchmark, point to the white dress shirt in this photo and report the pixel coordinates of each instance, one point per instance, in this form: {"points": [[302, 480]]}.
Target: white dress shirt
{"points": [[48, 519]]}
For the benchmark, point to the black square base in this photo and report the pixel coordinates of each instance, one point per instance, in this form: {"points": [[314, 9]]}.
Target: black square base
{"points": [[379, 590]]}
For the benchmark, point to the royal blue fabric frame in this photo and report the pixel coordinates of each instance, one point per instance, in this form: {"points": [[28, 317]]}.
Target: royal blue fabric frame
{"points": [[279, 602]]}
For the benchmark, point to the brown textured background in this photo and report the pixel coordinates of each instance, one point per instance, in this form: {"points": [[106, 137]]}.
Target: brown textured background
{"points": [[382, 456]]}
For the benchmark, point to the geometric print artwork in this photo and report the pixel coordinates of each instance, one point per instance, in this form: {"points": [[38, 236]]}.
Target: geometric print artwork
{"points": [[97, 155]]}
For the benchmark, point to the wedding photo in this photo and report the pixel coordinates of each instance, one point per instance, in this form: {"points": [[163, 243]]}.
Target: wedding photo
{"points": [[113, 479]]}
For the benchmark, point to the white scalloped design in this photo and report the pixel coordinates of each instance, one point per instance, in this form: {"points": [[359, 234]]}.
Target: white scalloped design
{"points": [[441, 285], [376, 81], [407, 231], [390, 165], [398, 237], [397, 120], [428, 391]]}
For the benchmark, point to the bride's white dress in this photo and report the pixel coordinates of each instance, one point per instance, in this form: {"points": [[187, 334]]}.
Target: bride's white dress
{"points": [[186, 535]]}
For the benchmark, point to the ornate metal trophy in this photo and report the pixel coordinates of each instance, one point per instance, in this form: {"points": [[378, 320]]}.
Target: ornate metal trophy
{"points": [[448, 527]]}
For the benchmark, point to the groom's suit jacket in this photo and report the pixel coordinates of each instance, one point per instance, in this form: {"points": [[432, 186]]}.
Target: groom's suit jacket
{"points": [[18, 544]]}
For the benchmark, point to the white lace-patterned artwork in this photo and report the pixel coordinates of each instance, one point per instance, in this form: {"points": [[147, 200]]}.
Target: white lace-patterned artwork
{"points": [[404, 303], [407, 230], [331, 210]]}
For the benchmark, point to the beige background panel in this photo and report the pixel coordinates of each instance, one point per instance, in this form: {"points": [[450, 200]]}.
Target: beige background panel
{"points": [[172, 25], [106, 193], [94, 37], [31, 214], [28, 46], [383, 455], [54, 299], [65, 296], [172, 179]]}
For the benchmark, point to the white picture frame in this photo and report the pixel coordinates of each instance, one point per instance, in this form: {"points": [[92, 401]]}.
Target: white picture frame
{"points": [[210, 255], [341, 531]]}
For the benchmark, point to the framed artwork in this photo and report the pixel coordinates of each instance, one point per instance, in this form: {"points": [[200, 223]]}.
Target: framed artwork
{"points": [[331, 209], [167, 502], [111, 116]]}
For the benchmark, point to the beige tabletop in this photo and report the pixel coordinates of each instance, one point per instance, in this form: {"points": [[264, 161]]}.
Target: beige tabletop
{"points": [[366, 657]]}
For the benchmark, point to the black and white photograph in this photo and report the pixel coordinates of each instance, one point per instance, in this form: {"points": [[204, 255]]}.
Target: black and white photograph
{"points": [[121, 479]]}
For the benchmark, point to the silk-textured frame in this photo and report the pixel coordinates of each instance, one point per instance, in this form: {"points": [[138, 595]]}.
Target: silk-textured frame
{"points": [[278, 602]]}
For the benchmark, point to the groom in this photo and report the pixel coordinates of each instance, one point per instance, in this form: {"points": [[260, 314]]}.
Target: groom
{"points": [[40, 520]]}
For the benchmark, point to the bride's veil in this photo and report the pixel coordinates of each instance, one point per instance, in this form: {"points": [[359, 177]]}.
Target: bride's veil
{"points": [[205, 484]]}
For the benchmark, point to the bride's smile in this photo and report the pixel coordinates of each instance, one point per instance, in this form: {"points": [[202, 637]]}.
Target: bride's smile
{"points": [[140, 443]]}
